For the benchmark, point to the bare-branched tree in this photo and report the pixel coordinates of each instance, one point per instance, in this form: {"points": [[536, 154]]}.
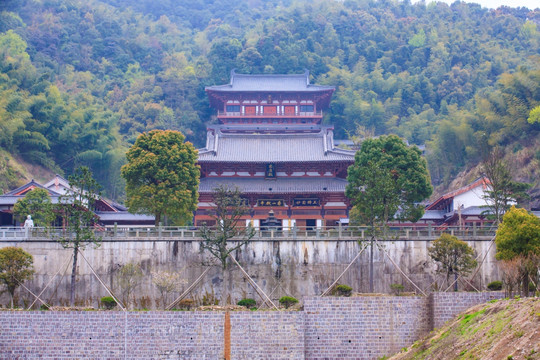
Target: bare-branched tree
{"points": [[227, 214]]}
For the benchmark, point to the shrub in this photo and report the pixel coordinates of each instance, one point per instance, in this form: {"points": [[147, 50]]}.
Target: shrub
{"points": [[108, 302], [532, 287], [248, 303], [186, 304], [343, 290], [287, 301], [495, 285], [43, 307], [396, 289]]}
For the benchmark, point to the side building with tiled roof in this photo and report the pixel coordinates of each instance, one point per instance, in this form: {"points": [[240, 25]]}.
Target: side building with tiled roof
{"points": [[270, 144]]}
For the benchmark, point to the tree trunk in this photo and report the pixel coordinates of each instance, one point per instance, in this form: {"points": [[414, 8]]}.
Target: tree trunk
{"points": [[73, 275], [371, 266]]}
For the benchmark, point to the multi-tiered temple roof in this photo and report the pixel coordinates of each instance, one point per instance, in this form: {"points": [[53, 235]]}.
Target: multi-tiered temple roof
{"points": [[270, 144]]}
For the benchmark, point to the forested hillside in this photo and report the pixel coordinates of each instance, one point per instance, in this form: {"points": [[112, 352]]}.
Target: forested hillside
{"points": [[79, 80]]}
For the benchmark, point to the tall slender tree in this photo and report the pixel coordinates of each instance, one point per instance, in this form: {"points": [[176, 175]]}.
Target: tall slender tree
{"points": [[76, 208]]}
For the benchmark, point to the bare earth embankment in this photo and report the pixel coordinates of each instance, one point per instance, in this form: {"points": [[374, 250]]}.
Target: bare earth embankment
{"points": [[504, 329]]}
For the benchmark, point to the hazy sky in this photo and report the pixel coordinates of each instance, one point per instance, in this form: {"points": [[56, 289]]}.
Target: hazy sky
{"points": [[531, 4]]}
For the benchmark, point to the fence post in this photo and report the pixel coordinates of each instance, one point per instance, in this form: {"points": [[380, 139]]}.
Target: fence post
{"points": [[159, 230], [429, 230]]}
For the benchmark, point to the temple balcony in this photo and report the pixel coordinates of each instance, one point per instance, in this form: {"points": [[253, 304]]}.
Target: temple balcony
{"points": [[260, 114]]}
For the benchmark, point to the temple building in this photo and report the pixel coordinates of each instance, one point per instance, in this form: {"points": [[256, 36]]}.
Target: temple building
{"points": [[108, 212], [270, 143]]}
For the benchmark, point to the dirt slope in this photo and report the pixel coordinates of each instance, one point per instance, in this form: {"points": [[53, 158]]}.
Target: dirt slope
{"points": [[505, 329]]}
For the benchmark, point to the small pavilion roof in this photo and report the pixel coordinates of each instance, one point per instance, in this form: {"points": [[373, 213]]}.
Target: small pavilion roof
{"points": [[272, 148], [276, 186]]}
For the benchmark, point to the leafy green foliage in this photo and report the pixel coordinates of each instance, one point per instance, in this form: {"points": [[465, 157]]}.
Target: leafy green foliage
{"points": [[343, 290], [452, 255], [37, 203], [518, 235], [248, 303], [162, 177], [387, 176], [287, 301], [87, 77], [495, 285], [108, 302], [16, 266], [397, 289]]}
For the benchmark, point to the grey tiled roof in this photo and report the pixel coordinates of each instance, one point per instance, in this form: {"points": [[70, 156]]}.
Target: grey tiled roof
{"points": [[433, 215], [278, 186], [269, 82], [292, 147]]}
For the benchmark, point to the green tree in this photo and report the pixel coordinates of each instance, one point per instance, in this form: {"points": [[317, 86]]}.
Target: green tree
{"points": [[453, 256], [162, 176], [16, 266], [403, 176], [227, 213], [387, 180], [76, 208], [37, 203], [518, 236]]}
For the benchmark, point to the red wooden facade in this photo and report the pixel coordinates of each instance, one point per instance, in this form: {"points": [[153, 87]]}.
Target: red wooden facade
{"points": [[271, 145]]}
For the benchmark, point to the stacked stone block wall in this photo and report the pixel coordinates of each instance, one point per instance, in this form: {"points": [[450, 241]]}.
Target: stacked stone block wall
{"points": [[111, 335], [445, 306], [363, 327], [267, 335], [367, 327]]}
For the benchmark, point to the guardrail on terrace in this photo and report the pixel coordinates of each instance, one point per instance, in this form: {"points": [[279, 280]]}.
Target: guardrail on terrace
{"points": [[119, 233]]}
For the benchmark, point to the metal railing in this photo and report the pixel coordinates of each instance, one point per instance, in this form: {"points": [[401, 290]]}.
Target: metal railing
{"points": [[123, 233]]}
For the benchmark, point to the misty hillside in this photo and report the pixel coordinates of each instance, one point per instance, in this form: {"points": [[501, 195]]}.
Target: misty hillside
{"points": [[79, 80]]}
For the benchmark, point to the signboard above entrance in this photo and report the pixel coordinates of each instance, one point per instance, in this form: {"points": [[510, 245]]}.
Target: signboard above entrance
{"points": [[306, 202], [270, 202]]}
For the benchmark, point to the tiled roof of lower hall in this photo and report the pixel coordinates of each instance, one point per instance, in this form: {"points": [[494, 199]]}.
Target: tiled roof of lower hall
{"points": [[272, 147], [284, 185]]}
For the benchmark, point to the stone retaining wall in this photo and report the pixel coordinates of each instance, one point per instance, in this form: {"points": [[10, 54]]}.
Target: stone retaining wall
{"points": [[329, 328], [447, 305], [286, 267]]}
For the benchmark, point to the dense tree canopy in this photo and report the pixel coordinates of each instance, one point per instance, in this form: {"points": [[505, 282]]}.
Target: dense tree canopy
{"points": [[80, 80], [162, 177], [36, 203], [518, 235], [388, 179], [16, 266]]}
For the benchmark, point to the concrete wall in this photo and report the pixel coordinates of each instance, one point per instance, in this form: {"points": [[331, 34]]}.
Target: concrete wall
{"points": [[329, 328], [291, 267]]}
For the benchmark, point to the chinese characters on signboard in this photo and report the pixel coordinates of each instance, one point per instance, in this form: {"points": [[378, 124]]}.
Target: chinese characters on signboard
{"points": [[270, 171], [270, 202], [306, 202]]}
